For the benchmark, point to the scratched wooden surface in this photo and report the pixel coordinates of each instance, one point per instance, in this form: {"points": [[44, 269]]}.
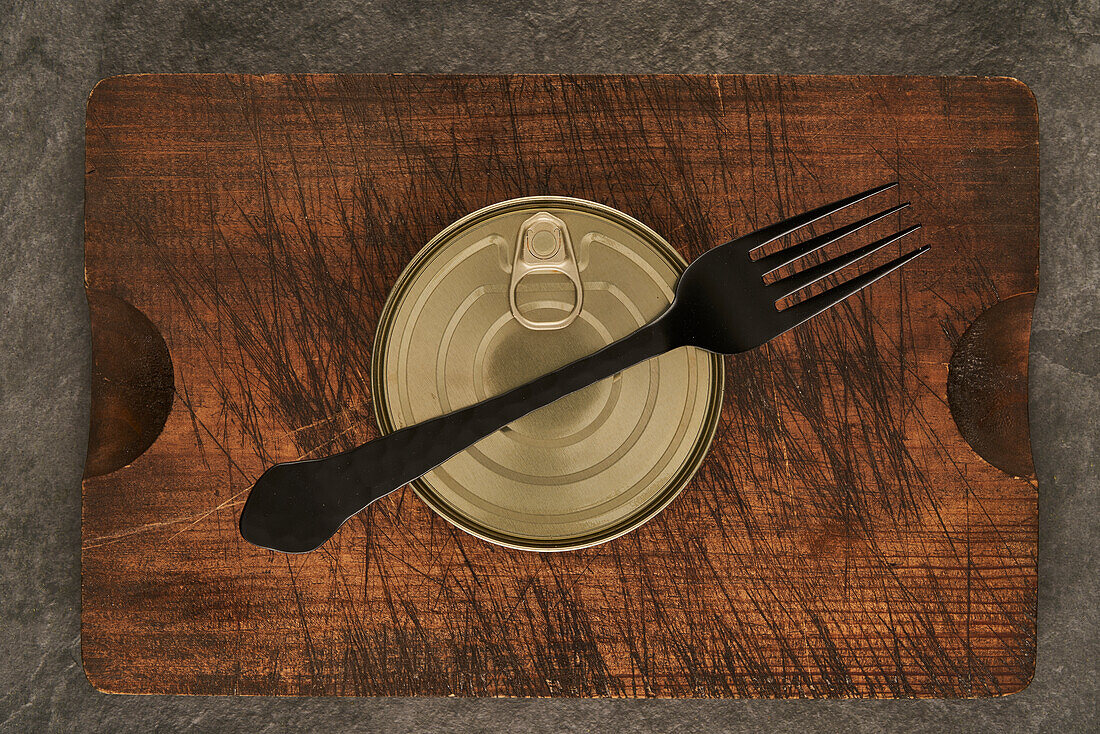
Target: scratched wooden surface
{"points": [[840, 540]]}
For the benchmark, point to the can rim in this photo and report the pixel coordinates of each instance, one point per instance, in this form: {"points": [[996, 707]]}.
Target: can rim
{"points": [[462, 521]]}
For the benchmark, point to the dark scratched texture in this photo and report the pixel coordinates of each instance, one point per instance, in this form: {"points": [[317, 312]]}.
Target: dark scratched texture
{"points": [[837, 541], [52, 55]]}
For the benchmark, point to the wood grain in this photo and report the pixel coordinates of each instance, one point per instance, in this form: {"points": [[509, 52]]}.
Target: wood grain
{"points": [[841, 539]]}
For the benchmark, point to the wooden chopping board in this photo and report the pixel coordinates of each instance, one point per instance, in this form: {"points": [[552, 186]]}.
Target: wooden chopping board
{"points": [[842, 539]]}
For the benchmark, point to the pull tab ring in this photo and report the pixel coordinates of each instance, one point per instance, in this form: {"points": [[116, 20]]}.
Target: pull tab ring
{"points": [[544, 246]]}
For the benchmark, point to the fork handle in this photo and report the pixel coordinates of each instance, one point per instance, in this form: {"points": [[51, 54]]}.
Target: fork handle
{"points": [[295, 507]]}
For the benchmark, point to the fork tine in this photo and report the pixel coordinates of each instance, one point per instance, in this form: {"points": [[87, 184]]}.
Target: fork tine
{"points": [[811, 275], [765, 235], [806, 310], [771, 263]]}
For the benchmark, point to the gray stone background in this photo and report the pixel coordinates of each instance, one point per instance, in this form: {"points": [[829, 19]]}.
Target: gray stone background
{"points": [[54, 52]]}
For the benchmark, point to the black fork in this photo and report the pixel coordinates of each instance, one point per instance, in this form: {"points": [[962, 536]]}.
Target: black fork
{"points": [[723, 304]]}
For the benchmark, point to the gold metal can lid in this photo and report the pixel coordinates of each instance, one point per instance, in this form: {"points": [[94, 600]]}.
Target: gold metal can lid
{"points": [[511, 292]]}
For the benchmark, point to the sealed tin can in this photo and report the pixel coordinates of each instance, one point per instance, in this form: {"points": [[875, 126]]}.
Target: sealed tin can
{"points": [[519, 289]]}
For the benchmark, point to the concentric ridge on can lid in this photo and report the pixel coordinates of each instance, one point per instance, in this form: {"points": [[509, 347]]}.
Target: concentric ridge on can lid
{"points": [[591, 466]]}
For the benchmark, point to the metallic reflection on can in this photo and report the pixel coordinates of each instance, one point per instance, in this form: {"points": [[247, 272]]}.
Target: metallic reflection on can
{"points": [[591, 466]]}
